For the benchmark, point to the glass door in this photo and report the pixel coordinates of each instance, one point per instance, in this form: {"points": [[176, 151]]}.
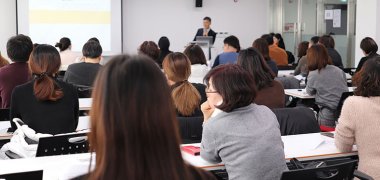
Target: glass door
{"points": [[299, 20]]}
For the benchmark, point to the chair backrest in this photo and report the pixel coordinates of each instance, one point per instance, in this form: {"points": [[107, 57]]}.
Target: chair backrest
{"points": [[343, 98], [84, 91], [332, 172], [191, 129], [31, 175], [297, 120], [63, 144], [4, 114]]}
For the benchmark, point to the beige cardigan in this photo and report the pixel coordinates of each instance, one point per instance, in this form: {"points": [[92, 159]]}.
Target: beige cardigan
{"points": [[359, 122]]}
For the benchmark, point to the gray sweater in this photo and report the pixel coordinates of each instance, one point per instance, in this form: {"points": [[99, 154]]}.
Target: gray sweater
{"points": [[248, 141], [328, 86]]}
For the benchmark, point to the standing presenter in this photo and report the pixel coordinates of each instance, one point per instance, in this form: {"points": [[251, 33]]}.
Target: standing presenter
{"points": [[206, 30]]}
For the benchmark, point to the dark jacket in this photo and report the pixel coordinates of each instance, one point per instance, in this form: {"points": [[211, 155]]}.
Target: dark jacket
{"points": [[210, 33], [364, 59], [335, 57]]}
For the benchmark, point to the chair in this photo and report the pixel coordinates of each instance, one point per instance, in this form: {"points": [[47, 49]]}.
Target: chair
{"points": [[31, 175], [84, 91], [289, 83], [343, 98], [63, 144], [286, 67], [191, 129], [4, 114], [339, 171], [297, 120]]}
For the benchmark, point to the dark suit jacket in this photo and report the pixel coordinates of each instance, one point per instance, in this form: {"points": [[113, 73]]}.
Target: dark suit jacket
{"points": [[210, 33]]}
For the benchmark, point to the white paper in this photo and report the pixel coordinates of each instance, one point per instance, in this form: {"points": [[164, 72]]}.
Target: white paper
{"points": [[337, 18], [329, 14]]}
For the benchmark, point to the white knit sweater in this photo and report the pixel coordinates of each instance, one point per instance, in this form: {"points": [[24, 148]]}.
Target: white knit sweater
{"points": [[360, 123]]}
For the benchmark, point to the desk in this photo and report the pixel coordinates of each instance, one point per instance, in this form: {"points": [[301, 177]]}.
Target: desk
{"points": [[285, 73], [85, 104], [301, 93], [56, 167], [294, 146]]}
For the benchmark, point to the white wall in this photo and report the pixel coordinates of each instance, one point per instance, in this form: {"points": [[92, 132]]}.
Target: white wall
{"points": [[367, 24], [8, 23], [179, 20]]}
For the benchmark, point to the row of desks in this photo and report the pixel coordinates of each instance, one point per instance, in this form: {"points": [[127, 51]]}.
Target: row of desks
{"points": [[302, 94], [304, 147]]}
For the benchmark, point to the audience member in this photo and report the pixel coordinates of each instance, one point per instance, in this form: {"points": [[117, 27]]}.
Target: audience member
{"points": [[262, 45], [231, 50], [46, 104], [94, 39], [302, 60], [329, 43], [313, 41], [187, 96], [359, 120], [3, 61], [163, 44], [235, 129], [198, 61], [269, 91], [206, 30], [84, 73], [326, 82], [67, 56], [279, 41], [18, 49], [369, 48], [275, 53], [134, 131], [150, 49]]}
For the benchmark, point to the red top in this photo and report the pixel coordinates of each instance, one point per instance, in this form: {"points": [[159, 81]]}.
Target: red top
{"points": [[11, 76]]}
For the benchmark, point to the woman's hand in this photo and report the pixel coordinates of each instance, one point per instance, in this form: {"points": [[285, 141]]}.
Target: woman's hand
{"points": [[207, 110]]}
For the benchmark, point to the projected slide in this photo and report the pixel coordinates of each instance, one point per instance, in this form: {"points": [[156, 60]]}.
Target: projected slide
{"points": [[49, 20]]}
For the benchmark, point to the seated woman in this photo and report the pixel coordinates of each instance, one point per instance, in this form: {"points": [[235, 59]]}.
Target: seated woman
{"points": [[198, 61], [187, 96], [302, 60], [134, 130], [262, 46], [163, 44], [236, 131], [329, 43], [327, 82], [369, 48], [359, 120], [269, 91], [150, 48], [46, 104]]}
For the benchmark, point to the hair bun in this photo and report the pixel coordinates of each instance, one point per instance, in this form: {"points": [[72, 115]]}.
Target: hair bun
{"points": [[58, 45]]}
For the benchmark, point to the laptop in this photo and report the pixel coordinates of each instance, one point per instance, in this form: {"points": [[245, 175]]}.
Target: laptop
{"points": [[208, 39]]}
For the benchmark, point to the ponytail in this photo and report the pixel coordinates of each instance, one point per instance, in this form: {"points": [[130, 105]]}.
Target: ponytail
{"points": [[186, 98], [45, 88]]}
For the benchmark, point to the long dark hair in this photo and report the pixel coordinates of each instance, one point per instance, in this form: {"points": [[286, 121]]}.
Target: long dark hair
{"points": [[134, 131], [252, 61], [44, 64], [367, 79]]}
